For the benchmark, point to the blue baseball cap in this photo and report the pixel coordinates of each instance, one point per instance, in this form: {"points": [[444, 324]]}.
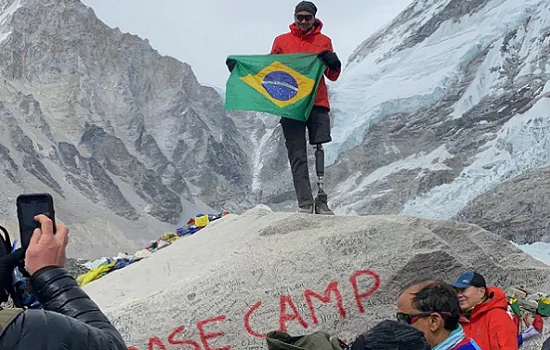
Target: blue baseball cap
{"points": [[470, 279]]}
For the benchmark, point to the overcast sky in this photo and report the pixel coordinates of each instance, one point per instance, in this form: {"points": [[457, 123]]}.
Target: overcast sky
{"points": [[204, 32]]}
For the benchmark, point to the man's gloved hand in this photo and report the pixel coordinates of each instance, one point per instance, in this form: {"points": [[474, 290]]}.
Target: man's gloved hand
{"points": [[330, 59], [231, 63], [7, 264]]}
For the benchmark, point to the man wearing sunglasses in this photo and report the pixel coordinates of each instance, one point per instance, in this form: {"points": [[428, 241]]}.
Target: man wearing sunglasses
{"points": [[432, 308], [305, 37], [486, 313]]}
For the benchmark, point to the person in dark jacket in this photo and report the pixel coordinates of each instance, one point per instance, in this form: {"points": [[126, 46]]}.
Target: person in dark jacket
{"points": [[69, 318], [391, 335], [546, 345], [305, 37]]}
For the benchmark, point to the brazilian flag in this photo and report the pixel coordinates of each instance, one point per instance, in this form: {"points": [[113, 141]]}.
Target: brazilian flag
{"points": [[283, 84]]}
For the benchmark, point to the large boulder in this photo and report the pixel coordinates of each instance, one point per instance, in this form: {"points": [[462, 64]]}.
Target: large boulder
{"points": [[243, 276]]}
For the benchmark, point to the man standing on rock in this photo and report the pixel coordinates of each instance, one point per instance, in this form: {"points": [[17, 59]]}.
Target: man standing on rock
{"points": [[486, 313], [305, 37]]}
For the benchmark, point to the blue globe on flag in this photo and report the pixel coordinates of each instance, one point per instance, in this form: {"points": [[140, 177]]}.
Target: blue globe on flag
{"points": [[280, 85]]}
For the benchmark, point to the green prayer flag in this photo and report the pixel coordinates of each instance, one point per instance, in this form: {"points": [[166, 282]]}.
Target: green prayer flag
{"points": [[544, 307], [515, 307], [284, 84]]}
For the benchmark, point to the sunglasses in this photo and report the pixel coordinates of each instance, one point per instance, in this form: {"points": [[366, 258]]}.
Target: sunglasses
{"points": [[412, 318], [300, 18]]}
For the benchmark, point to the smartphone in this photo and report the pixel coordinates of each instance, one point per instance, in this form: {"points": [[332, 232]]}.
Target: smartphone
{"points": [[28, 206]]}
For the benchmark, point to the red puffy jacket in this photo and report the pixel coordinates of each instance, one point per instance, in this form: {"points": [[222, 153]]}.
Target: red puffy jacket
{"points": [[311, 42], [490, 325]]}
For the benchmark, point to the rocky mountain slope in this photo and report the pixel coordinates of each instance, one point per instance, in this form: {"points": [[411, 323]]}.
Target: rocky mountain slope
{"points": [[125, 139], [518, 209]]}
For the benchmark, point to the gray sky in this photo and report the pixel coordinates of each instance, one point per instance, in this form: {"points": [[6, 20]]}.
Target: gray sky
{"points": [[204, 32]]}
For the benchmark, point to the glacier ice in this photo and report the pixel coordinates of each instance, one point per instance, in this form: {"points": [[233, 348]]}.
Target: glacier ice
{"points": [[388, 81], [522, 144]]}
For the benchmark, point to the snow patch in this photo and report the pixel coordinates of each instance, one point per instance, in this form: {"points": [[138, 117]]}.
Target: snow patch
{"points": [[258, 159], [538, 26], [482, 84], [5, 13], [4, 36], [8, 11], [538, 250], [357, 183]]}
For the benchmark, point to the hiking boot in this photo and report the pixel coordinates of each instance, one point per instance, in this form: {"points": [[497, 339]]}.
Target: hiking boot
{"points": [[308, 209], [321, 206]]}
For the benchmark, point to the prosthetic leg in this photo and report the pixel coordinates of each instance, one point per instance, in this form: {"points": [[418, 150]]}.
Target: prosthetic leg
{"points": [[321, 205]]}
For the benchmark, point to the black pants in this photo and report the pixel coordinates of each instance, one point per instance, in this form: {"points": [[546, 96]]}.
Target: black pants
{"points": [[318, 126]]}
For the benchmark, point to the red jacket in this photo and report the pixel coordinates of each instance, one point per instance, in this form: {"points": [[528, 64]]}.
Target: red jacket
{"points": [[490, 325], [311, 42]]}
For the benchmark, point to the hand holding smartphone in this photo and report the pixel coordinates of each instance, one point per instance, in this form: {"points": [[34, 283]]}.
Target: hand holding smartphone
{"points": [[28, 206]]}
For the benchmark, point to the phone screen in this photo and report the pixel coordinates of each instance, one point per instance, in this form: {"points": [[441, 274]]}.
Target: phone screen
{"points": [[28, 209]]}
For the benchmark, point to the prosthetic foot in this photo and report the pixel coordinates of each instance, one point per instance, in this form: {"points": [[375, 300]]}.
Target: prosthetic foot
{"points": [[321, 201]]}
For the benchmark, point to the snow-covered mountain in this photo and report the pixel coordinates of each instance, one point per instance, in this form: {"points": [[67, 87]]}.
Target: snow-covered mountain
{"points": [[440, 107], [445, 103], [125, 139]]}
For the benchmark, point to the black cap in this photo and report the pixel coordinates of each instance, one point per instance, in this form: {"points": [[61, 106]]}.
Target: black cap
{"points": [[306, 6], [470, 279]]}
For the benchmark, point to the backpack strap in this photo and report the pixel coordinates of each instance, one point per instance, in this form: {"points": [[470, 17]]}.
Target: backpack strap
{"points": [[5, 242], [7, 316]]}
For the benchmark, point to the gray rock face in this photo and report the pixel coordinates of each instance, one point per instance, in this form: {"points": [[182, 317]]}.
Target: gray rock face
{"points": [[113, 155], [517, 210], [452, 10], [31, 160], [298, 273], [91, 178], [106, 124], [75, 268]]}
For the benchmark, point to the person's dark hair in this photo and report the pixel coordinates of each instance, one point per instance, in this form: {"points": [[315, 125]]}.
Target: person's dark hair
{"points": [[307, 6], [416, 282], [439, 297]]}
